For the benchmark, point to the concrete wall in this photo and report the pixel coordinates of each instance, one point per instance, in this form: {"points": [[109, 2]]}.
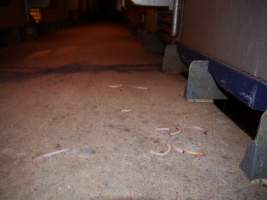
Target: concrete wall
{"points": [[232, 31], [12, 15]]}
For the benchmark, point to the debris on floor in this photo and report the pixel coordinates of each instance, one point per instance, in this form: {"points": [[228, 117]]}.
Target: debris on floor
{"points": [[177, 132], [82, 152], [179, 150], [197, 128], [194, 153], [126, 110], [115, 86], [140, 87], [162, 153], [168, 130], [51, 154]]}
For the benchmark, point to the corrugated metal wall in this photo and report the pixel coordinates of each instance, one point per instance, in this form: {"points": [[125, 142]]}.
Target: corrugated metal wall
{"points": [[232, 31]]}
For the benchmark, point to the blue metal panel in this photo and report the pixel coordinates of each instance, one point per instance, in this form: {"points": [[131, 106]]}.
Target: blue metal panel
{"points": [[248, 89]]}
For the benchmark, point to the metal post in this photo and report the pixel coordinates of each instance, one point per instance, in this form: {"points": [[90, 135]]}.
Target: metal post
{"points": [[171, 60], [175, 17]]}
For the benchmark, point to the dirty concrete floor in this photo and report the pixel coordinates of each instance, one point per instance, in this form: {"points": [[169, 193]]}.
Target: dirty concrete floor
{"points": [[100, 44], [109, 155]]}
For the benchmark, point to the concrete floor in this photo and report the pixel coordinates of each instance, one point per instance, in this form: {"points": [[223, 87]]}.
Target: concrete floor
{"points": [[109, 155], [98, 45]]}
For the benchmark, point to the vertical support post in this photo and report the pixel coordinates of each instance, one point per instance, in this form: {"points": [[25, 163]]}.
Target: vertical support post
{"points": [[172, 61], [201, 86], [175, 17], [254, 163]]}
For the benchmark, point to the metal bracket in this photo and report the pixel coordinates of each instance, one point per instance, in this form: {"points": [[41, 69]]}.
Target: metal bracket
{"points": [[254, 163], [172, 61], [201, 87]]}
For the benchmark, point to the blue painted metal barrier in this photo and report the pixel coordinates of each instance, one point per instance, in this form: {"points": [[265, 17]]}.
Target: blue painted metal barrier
{"points": [[247, 88]]}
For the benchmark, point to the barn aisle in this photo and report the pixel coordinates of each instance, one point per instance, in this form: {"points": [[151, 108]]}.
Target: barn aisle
{"points": [[94, 46], [74, 126]]}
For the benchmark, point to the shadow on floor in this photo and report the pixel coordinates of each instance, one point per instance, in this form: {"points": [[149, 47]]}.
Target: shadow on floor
{"points": [[246, 118], [28, 73]]}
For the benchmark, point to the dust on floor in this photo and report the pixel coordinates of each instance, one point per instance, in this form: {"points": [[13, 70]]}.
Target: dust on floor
{"points": [[110, 134]]}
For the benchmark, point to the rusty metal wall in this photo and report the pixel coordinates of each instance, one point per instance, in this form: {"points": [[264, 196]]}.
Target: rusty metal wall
{"points": [[231, 31]]}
